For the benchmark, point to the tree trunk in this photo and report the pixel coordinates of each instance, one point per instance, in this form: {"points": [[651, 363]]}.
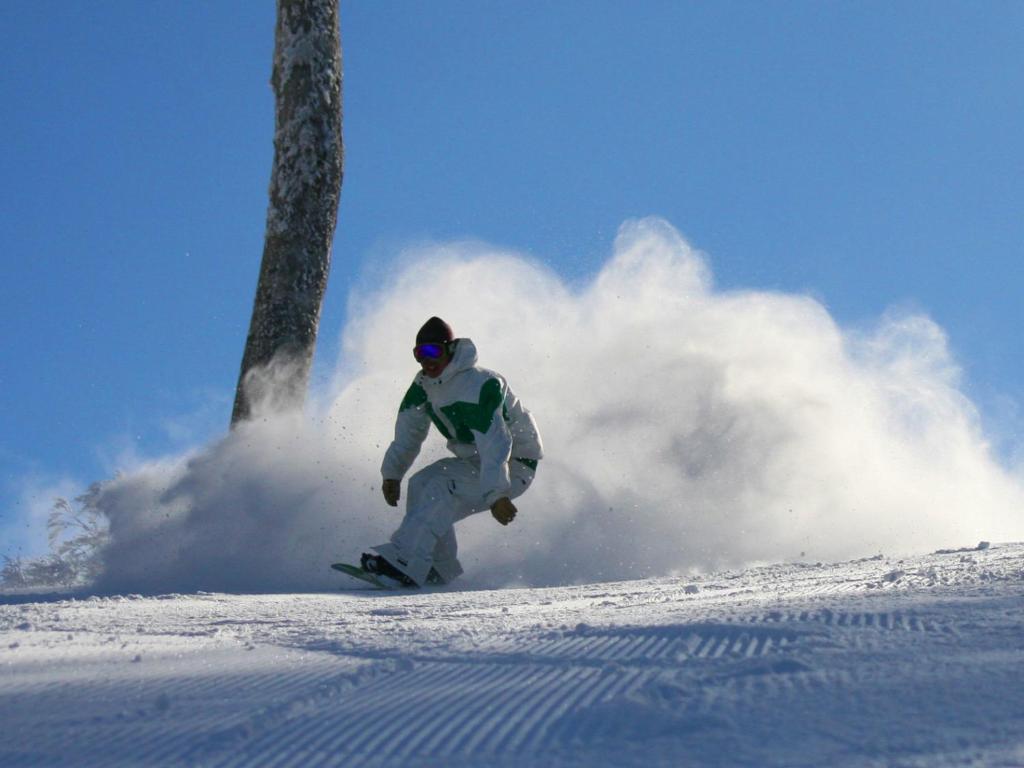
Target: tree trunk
{"points": [[305, 187]]}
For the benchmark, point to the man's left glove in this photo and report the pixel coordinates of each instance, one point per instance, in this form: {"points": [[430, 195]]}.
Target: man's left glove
{"points": [[504, 510]]}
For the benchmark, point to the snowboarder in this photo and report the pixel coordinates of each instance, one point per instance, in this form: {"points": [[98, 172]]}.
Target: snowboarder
{"points": [[496, 444]]}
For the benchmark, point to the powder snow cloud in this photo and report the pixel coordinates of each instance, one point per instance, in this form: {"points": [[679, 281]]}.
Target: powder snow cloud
{"points": [[685, 428]]}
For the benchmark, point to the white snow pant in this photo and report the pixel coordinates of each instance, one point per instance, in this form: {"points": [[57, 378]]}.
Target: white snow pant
{"points": [[438, 497]]}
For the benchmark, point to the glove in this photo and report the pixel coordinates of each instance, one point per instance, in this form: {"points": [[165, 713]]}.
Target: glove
{"points": [[392, 491], [504, 511]]}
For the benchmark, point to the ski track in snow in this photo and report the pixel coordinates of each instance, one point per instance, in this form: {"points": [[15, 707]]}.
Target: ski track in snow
{"points": [[876, 662]]}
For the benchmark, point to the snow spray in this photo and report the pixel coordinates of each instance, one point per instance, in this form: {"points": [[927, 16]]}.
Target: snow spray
{"points": [[685, 429]]}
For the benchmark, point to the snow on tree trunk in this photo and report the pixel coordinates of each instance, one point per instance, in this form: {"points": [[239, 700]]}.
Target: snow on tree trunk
{"points": [[305, 186]]}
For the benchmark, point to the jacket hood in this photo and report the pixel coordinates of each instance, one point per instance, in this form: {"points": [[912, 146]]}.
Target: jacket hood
{"points": [[463, 359]]}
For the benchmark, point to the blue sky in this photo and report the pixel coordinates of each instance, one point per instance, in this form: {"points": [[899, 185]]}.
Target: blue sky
{"points": [[867, 153]]}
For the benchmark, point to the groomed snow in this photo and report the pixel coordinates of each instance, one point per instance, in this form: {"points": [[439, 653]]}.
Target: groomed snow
{"points": [[877, 662]]}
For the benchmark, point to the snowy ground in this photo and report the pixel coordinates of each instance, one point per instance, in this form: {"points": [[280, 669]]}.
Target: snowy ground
{"points": [[915, 662]]}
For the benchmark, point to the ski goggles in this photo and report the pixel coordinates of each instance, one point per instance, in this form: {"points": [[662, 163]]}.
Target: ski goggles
{"points": [[428, 351]]}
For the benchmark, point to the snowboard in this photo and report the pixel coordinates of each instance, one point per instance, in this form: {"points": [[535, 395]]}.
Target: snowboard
{"points": [[370, 578]]}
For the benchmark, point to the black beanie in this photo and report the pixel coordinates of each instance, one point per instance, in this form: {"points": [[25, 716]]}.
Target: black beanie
{"points": [[435, 330]]}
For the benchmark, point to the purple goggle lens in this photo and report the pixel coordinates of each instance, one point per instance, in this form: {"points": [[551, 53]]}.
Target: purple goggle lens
{"points": [[428, 351]]}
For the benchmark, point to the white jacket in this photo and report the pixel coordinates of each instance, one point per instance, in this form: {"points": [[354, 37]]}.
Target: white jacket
{"points": [[479, 415]]}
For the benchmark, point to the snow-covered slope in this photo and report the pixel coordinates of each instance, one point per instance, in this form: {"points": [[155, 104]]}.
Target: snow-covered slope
{"points": [[916, 662]]}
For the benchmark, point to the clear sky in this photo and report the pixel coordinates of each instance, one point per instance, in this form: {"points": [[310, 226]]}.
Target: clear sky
{"points": [[866, 153]]}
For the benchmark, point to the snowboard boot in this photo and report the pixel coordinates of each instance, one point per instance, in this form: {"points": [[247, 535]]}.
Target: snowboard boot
{"points": [[378, 566]]}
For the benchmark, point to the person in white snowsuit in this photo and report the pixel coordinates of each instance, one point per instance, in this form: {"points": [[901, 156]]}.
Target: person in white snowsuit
{"points": [[496, 447]]}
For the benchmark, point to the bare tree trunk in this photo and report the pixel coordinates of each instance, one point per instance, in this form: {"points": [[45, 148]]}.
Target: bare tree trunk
{"points": [[305, 187]]}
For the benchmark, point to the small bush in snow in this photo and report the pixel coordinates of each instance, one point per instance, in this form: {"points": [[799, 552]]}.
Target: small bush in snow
{"points": [[77, 533]]}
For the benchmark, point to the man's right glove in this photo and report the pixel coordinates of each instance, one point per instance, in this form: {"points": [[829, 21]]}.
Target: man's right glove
{"points": [[392, 491]]}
